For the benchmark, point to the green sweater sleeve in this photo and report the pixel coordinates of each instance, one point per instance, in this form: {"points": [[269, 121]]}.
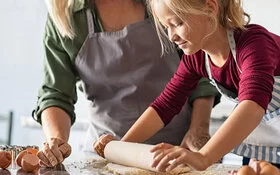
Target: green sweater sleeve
{"points": [[59, 86], [205, 89]]}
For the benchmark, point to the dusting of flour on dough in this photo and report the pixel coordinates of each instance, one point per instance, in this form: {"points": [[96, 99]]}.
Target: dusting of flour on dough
{"points": [[124, 170]]}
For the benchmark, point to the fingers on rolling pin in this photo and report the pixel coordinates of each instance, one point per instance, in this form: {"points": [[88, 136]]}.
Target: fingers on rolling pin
{"points": [[99, 148]]}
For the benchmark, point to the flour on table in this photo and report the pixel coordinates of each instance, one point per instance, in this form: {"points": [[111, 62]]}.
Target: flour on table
{"points": [[124, 170], [111, 168]]}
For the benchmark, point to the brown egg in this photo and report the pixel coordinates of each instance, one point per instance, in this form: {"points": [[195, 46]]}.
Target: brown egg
{"points": [[246, 170], [19, 157], [32, 151], [22, 153], [269, 170], [30, 162], [5, 159], [263, 163]]}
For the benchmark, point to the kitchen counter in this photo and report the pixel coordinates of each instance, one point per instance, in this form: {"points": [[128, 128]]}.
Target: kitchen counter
{"points": [[91, 164]]}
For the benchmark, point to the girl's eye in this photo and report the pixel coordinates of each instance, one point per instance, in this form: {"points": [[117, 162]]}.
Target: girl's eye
{"points": [[178, 24], [165, 27]]}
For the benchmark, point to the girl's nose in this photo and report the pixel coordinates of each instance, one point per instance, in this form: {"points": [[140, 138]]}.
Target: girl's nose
{"points": [[173, 37]]}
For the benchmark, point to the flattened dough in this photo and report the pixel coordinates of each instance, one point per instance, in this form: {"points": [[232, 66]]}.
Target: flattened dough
{"points": [[124, 170]]}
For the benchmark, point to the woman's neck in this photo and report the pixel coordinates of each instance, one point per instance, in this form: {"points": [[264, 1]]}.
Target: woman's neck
{"points": [[116, 14], [114, 2]]}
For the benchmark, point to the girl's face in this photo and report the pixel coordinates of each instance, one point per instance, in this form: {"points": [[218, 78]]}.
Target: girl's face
{"points": [[189, 34]]}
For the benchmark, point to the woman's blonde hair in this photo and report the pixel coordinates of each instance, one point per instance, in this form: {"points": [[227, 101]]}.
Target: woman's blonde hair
{"points": [[231, 15], [61, 11]]}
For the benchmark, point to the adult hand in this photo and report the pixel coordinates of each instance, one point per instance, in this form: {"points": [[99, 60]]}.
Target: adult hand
{"points": [[167, 157], [100, 144], [195, 139], [54, 152]]}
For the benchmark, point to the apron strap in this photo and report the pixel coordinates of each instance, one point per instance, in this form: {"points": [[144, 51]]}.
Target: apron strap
{"points": [[228, 94], [232, 46], [212, 81], [90, 22], [207, 64]]}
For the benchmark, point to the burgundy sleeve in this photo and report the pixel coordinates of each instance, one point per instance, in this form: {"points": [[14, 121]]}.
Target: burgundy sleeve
{"points": [[176, 92], [257, 53]]}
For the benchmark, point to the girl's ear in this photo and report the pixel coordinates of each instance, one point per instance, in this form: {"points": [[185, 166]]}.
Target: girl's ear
{"points": [[212, 7]]}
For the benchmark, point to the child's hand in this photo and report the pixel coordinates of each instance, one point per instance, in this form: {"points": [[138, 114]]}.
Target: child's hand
{"points": [[167, 157]]}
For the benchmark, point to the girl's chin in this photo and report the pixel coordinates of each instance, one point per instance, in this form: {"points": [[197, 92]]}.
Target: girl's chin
{"points": [[188, 51]]}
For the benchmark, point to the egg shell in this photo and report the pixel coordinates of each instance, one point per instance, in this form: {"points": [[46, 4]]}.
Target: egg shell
{"points": [[269, 170], [32, 151], [19, 157], [263, 163], [30, 162], [5, 159], [246, 170], [22, 153]]}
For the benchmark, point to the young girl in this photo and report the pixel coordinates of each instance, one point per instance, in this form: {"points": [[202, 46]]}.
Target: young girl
{"points": [[242, 60]]}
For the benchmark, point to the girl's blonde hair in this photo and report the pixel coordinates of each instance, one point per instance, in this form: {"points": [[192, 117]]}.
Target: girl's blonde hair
{"points": [[61, 11], [231, 15]]}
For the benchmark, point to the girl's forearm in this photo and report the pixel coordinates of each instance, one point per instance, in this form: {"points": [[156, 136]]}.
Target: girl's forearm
{"points": [[146, 126], [244, 119]]}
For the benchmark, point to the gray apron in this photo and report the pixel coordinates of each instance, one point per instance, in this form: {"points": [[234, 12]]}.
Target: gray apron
{"points": [[122, 72], [264, 142]]}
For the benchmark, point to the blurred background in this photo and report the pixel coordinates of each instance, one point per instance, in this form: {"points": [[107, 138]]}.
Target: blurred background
{"points": [[21, 68]]}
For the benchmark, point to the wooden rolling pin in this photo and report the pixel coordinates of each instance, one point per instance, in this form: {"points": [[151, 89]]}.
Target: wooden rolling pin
{"points": [[130, 154]]}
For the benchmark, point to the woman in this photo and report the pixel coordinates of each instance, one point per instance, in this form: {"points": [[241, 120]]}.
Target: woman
{"points": [[112, 48], [241, 60]]}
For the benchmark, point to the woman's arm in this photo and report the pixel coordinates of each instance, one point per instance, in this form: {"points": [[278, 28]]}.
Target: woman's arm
{"points": [[56, 125], [198, 133], [57, 95]]}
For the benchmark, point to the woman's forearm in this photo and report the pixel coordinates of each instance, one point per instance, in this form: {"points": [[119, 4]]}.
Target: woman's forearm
{"points": [[198, 134], [146, 126], [201, 113], [56, 123], [234, 130]]}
